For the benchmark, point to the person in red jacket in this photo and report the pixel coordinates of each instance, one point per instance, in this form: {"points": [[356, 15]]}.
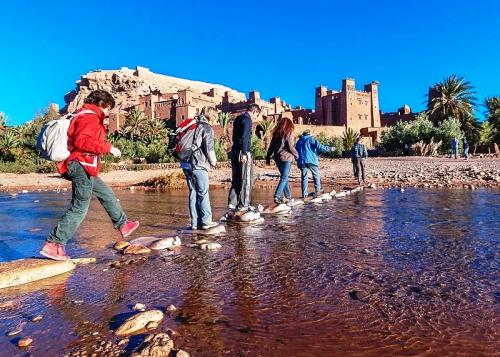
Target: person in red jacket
{"points": [[86, 143]]}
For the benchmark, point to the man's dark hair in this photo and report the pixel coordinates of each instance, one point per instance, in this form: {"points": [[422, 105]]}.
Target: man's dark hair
{"points": [[253, 108], [358, 139], [100, 98]]}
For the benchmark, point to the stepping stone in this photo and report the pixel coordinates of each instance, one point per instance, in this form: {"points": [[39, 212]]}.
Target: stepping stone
{"points": [[25, 271], [207, 232], [144, 241], [277, 209], [341, 194]]}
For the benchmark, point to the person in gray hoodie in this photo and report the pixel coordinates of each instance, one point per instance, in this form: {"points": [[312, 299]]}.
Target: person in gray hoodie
{"points": [[196, 170]]}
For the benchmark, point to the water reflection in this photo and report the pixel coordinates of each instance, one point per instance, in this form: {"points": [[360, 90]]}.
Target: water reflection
{"points": [[378, 273]]}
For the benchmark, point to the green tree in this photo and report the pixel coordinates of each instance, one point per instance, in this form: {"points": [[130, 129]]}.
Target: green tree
{"points": [[156, 132], [451, 98], [487, 133], [224, 119], [3, 121], [492, 105], [349, 138], [135, 125], [9, 142], [265, 129]]}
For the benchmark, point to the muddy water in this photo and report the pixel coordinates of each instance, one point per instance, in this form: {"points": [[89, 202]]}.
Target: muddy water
{"points": [[380, 273]]}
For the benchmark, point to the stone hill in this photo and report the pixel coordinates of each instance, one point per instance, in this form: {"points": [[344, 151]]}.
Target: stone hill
{"points": [[128, 85]]}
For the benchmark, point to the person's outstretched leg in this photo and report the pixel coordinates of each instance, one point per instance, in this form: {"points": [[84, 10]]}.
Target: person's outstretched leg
{"points": [[71, 220], [193, 212], [304, 172], [108, 200]]}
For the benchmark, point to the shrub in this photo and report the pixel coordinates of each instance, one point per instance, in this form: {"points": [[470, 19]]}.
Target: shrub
{"points": [[220, 151], [332, 141], [257, 149]]}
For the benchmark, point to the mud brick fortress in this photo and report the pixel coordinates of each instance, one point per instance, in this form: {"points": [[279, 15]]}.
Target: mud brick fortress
{"points": [[174, 99]]}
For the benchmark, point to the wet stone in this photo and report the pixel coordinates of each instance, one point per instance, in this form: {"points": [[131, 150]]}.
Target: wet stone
{"points": [[24, 342], [37, 318]]}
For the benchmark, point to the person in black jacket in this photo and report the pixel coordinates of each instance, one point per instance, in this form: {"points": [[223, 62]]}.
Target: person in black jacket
{"points": [[241, 160]]}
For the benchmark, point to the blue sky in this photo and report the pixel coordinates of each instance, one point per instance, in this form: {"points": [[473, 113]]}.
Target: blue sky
{"points": [[282, 48]]}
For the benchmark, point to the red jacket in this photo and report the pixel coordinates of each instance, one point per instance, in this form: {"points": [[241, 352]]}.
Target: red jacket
{"points": [[87, 141]]}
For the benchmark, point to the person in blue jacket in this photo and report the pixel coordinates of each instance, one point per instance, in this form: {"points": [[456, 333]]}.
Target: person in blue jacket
{"points": [[308, 149]]}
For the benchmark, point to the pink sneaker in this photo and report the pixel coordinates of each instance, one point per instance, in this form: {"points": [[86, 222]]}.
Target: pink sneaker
{"points": [[128, 228], [54, 251]]}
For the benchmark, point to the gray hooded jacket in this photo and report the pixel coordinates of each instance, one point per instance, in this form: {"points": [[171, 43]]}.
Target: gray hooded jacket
{"points": [[203, 146]]}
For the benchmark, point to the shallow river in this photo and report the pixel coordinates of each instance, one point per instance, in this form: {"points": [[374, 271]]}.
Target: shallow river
{"points": [[380, 273]]}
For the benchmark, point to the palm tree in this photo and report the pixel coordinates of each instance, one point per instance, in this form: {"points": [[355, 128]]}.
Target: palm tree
{"points": [[349, 138], [224, 119], [135, 124], [492, 105], [156, 132], [3, 121], [266, 127], [451, 98], [8, 142]]}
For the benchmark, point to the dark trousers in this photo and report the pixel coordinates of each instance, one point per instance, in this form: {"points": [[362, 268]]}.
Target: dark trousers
{"points": [[241, 182], [84, 186], [358, 165]]}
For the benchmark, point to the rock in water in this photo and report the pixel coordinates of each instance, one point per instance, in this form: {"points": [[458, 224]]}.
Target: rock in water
{"points": [[341, 194], [249, 216], [277, 209], [121, 245], [138, 322], [161, 244], [214, 230], [37, 318], [177, 241], [145, 241], [152, 325], [24, 271], [136, 249], [157, 345], [326, 197], [139, 307], [210, 246], [171, 308], [24, 342]]}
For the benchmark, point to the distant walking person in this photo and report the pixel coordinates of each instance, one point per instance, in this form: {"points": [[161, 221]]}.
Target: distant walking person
{"points": [[454, 148], [197, 166], [358, 156], [241, 160], [282, 149], [308, 149], [86, 143], [466, 149]]}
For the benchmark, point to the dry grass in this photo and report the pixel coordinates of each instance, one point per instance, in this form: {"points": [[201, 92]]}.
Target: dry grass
{"points": [[173, 179]]}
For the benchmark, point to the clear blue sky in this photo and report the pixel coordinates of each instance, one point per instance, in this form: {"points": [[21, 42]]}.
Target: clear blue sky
{"points": [[283, 48]]}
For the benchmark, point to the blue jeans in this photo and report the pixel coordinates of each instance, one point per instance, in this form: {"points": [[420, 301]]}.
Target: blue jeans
{"points": [[199, 200], [283, 185], [304, 170]]}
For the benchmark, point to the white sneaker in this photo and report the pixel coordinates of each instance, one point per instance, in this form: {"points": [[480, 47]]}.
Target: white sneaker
{"points": [[207, 226]]}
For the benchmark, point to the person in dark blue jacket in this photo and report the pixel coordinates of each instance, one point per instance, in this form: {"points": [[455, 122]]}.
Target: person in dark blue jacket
{"points": [[308, 149], [241, 160]]}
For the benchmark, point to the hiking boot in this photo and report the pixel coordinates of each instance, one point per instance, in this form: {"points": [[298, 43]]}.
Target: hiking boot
{"points": [[209, 225], [54, 251], [128, 228]]}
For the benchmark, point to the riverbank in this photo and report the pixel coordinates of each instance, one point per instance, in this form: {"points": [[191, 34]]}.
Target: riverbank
{"points": [[422, 172]]}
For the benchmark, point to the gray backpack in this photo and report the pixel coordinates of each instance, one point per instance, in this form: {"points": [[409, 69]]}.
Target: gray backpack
{"points": [[52, 142]]}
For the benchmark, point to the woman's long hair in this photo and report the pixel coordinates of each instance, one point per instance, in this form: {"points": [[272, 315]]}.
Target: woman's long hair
{"points": [[283, 128]]}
